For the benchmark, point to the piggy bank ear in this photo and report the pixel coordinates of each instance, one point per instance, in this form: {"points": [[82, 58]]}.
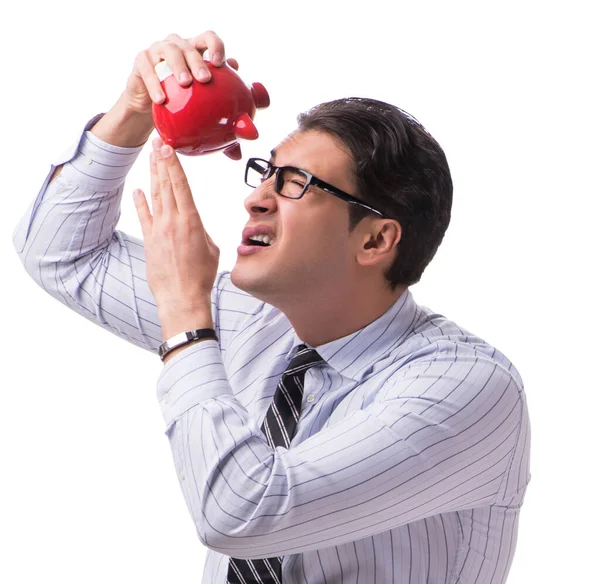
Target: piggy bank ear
{"points": [[245, 128]]}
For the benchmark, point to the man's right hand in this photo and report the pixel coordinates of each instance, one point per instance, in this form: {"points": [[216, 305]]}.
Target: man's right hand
{"points": [[184, 57], [129, 122]]}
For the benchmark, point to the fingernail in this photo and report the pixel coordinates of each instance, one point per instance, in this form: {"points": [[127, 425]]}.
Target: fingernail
{"points": [[217, 58], [159, 96], [157, 143], [203, 75], [184, 77], [166, 151]]}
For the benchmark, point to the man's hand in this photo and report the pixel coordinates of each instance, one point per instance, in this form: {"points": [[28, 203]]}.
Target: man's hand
{"points": [[184, 56], [181, 258], [129, 122]]}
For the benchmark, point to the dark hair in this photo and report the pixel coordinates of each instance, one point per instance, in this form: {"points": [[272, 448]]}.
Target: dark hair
{"points": [[399, 169]]}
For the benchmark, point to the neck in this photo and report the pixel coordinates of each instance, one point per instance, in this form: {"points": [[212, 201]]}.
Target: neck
{"points": [[334, 314]]}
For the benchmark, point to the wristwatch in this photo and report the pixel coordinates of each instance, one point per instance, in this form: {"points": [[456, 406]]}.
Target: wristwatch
{"points": [[184, 339]]}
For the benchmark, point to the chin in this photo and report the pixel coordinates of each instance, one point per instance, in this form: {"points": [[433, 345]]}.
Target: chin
{"points": [[237, 278], [247, 282], [255, 285]]}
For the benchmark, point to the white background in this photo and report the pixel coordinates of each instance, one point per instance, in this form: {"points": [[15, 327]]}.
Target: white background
{"points": [[509, 89]]}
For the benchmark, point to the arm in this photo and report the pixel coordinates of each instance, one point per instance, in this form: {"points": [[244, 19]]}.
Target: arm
{"points": [[68, 240], [401, 459], [69, 245]]}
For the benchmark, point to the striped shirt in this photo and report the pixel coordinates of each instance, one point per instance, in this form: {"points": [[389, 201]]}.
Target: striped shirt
{"points": [[411, 456]]}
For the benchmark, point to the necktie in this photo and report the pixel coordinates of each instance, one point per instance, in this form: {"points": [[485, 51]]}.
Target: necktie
{"points": [[279, 427]]}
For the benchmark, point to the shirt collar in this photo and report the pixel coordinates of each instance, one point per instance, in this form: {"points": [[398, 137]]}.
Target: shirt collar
{"points": [[353, 355]]}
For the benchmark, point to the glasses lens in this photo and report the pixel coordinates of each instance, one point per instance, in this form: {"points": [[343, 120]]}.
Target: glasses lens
{"points": [[257, 171], [291, 182]]}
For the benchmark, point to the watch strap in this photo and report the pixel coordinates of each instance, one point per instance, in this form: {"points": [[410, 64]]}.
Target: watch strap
{"points": [[185, 338]]}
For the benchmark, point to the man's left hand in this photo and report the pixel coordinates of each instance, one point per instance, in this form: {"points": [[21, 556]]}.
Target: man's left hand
{"points": [[181, 258]]}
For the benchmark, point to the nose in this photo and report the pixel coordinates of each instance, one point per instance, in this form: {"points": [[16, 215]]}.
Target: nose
{"points": [[262, 200]]}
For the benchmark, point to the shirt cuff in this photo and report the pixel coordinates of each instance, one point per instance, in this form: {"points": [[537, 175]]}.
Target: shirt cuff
{"points": [[193, 376], [95, 163]]}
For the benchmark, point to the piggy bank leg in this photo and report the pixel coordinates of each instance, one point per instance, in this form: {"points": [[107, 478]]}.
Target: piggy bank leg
{"points": [[234, 151]]}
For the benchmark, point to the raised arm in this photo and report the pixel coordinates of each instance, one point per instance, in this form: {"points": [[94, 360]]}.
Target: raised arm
{"points": [[68, 240]]}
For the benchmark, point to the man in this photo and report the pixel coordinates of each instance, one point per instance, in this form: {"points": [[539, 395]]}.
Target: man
{"points": [[324, 427]]}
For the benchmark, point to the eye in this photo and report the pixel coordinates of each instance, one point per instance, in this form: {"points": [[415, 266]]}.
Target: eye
{"points": [[293, 176]]}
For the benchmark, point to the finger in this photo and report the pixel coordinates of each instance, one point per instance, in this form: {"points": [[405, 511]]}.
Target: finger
{"points": [[171, 53], [233, 63], [155, 196], [210, 41], [179, 183], [174, 37], [145, 68], [193, 58], [169, 206], [143, 212]]}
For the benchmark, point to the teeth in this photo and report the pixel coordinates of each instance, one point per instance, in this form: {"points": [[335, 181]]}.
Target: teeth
{"points": [[262, 238]]}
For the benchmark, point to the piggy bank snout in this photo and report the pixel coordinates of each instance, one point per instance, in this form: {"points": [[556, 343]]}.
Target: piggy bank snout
{"points": [[260, 96]]}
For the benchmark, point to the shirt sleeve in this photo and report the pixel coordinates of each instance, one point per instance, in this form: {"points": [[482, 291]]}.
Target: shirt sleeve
{"points": [[68, 243], [400, 459]]}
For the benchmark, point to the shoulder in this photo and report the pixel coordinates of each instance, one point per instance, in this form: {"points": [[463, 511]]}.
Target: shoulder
{"points": [[452, 390], [440, 355]]}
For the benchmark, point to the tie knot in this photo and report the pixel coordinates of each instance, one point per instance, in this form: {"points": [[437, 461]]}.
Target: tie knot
{"points": [[304, 359]]}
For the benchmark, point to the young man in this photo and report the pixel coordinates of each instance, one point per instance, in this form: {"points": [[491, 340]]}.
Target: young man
{"points": [[324, 427]]}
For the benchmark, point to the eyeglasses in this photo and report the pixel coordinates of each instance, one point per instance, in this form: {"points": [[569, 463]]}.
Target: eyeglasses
{"points": [[292, 182]]}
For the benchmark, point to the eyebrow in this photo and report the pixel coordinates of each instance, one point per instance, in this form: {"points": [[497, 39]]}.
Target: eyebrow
{"points": [[274, 155]]}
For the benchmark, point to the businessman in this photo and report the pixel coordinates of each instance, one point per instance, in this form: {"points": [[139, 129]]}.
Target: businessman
{"points": [[324, 426]]}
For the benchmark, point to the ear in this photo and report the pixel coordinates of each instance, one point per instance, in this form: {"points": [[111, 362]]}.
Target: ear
{"points": [[378, 241]]}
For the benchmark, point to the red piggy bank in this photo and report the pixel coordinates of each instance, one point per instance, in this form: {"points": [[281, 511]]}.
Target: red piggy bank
{"points": [[206, 117]]}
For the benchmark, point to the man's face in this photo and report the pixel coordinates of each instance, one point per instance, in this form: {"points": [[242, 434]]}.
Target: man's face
{"points": [[311, 254]]}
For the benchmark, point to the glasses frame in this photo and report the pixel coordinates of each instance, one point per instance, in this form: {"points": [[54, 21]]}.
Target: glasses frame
{"points": [[311, 180]]}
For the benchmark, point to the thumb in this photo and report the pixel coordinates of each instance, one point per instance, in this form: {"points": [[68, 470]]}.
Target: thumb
{"points": [[143, 211]]}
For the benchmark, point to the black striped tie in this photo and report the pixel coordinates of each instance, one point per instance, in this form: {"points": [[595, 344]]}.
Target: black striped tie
{"points": [[279, 427]]}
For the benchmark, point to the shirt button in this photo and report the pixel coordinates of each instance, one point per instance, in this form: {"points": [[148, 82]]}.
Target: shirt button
{"points": [[310, 398], [166, 399], [88, 160]]}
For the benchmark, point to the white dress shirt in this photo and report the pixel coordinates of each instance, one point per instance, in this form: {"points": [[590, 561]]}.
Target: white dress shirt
{"points": [[411, 456]]}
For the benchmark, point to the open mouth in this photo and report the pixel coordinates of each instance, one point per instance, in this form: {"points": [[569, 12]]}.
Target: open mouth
{"points": [[255, 238], [259, 241]]}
